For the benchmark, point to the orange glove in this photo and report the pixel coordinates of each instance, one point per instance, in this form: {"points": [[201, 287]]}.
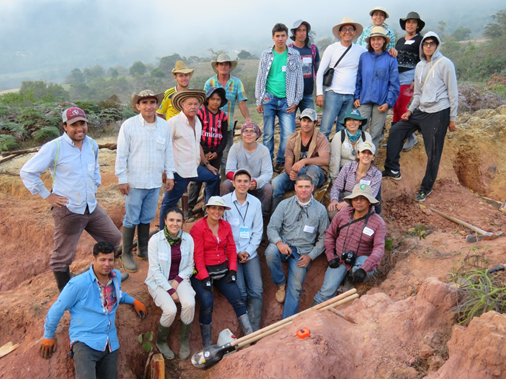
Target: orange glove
{"points": [[47, 347], [140, 309]]}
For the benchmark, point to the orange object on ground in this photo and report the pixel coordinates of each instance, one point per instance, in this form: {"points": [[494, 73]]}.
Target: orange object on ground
{"points": [[303, 333]]}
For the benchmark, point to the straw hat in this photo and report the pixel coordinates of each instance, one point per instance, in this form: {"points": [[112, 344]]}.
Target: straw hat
{"points": [[379, 31], [217, 201], [347, 21], [180, 96], [222, 58], [364, 190], [181, 68], [143, 94], [379, 9]]}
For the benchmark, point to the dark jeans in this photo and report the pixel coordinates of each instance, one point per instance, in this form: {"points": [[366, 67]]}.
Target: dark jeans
{"points": [[263, 194], [195, 187], [433, 127], [206, 298], [94, 364]]}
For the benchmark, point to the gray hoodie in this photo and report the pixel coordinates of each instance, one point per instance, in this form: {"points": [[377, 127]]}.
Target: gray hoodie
{"points": [[441, 91]]}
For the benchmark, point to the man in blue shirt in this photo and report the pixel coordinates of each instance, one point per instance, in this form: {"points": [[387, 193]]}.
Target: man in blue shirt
{"points": [[73, 162], [92, 299], [245, 218]]}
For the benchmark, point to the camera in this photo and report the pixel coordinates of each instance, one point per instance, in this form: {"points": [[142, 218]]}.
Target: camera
{"points": [[348, 257]]}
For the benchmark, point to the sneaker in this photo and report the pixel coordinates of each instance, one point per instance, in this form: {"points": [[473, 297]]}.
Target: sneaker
{"points": [[279, 167], [384, 146], [422, 195], [391, 174], [281, 293], [411, 141]]}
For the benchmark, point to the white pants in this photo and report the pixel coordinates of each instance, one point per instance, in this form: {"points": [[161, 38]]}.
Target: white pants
{"points": [[163, 300]]}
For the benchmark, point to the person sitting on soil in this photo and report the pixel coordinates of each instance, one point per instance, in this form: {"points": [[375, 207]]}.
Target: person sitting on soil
{"points": [[377, 87], [143, 155], [296, 233], [216, 263], [92, 299], [307, 153], [361, 171], [378, 17], [170, 268], [254, 157], [73, 162], [433, 111], [191, 162], [343, 146], [245, 218], [214, 136], [182, 76], [354, 242]]}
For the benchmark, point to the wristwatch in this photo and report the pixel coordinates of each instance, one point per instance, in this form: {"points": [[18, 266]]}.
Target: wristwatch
{"points": [[206, 164]]}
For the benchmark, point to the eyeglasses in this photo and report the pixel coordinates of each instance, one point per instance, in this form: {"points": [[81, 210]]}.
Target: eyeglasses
{"points": [[428, 44], [249, 132], [347, 30]]}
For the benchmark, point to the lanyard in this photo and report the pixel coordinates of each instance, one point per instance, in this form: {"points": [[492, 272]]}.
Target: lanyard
{"points": [[348, 229], [245, 213]]}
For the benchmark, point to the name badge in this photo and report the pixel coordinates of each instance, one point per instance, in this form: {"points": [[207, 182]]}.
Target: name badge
{"points": [[163, 256], [409, 42], [367, 182], [307, 60], [368, 231], [309, 229], [347, 145], [91, 166], [233, 221], [160, 140], [283, 68], [244, 232]]}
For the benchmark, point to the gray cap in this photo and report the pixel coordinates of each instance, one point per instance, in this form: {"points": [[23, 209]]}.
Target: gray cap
{"points": [[309, 113]]}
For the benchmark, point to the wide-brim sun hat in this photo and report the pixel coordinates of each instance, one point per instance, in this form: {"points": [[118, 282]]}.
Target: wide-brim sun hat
{"points": [[364, 190], [347, 21], [142, 95], [354, 114], [379, 9], [180, 96], [296, 25], [217, 201], [222, 58], [379, 31], [413, 16], [181, 68], [220, 91]]}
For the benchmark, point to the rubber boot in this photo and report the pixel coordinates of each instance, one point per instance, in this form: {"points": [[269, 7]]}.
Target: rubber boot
{"points": [[245, 324], [62, 278], [184, 341], [161, 341], [142, 240], [124, 276], [126, 257], [255, 312], [205, 331], [275, 202]]}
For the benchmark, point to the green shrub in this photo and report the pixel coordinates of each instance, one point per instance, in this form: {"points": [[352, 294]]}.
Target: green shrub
{"points": [[30, 117], [17, 130], [4, 109], [46, 134], [7, 143]]}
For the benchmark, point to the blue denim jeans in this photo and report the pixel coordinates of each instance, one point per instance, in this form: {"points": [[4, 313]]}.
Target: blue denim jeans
{"points": [[206, 298], [140, 206], [335, 276], [277, 107], [90, 363], [171, 198], [282, 183], [296, 276], [335, 106], [306, 102], [249, 279]]}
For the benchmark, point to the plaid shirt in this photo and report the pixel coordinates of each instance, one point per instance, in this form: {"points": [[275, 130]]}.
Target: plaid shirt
{"points": [[367, 32], [347, 179], [294, 78], [235, 93], [107, 293]]}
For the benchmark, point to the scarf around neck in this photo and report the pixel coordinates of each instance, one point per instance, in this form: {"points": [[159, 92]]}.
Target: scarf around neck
{"points": [[353, 138], [172, 240]]}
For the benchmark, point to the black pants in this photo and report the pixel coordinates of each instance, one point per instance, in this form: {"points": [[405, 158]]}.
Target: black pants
{"points": [[195, 187], [90, 363], [433, 127]]}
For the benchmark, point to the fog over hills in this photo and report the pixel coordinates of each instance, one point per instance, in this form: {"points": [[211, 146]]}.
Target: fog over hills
{"points": [[45, 39]]}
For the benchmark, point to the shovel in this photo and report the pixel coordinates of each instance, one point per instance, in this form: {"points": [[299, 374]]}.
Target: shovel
{"points": [[213, 354]]}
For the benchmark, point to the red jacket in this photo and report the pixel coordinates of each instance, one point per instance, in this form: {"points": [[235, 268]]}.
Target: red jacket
{"points": [[208, 251]]}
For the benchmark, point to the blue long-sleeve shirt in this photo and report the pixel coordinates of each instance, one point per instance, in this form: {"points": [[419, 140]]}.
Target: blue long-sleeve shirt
{"points": [[77, 174], [89, 323], [377, 79]]}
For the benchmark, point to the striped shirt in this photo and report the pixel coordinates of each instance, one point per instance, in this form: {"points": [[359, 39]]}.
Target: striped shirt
{"points": [[347, 179], [294, 78], [186, 145], [166, 109], [235, 93], [144, 153], [213, 127]]}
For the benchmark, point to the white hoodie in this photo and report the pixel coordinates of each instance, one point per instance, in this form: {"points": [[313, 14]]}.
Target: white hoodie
{"points": [[440, 91]]}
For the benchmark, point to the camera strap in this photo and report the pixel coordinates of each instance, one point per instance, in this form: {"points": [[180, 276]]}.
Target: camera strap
{"points": [[366, 217]]}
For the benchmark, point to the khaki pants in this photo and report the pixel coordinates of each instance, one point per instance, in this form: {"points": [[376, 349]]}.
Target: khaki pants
{"points": [[163, 300]]}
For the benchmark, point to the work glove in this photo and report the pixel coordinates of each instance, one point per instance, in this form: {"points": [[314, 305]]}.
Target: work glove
{"points": [[140, 309], [359, 275], [231, 276], [47, 347], [334, 263], [206, 284]]}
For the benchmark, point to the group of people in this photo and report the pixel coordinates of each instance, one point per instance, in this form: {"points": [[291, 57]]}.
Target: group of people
{"points": [[185, 137]]}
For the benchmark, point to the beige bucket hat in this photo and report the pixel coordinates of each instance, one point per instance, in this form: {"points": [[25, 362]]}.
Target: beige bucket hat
{"points": [[181, 68], [143, 94], [222, 58], [347, 21], [379, 9], [379, 31], [180, 96], [217, 201], [364, 190]]}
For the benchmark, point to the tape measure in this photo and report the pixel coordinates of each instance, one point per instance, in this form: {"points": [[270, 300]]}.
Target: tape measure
{"points": [[303, 333]]}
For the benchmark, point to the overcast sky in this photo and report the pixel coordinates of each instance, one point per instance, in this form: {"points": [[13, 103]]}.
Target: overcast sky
{"points": [[85, 32]]}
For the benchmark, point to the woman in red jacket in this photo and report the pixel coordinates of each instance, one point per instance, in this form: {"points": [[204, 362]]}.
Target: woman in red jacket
{"points": [[216, 264]]}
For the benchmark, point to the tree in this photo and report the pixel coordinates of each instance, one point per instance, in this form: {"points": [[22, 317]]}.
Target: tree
{"points": [[461, 33], [193, 59], [244, 55], [76, 76], [167, 63], [138, 69], [498, 28], [214, 54], [112, 72], [441, 26], [157, 73], [94, 72], [323, 44]]}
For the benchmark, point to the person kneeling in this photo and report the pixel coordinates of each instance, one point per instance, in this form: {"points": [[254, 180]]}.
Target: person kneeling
{"points": [[170, 253], [354, 242]]}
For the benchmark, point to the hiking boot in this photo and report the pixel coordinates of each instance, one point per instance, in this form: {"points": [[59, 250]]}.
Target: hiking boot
{"points": [[205, 331], [281, 293], [62, 278], [245, 324], [346, 285], [161, 341], [279, 167], [142, 241], [184, 341], [124, 276], [422, 195], [411, 141], [126, 256], [395, 175], [254, 312]]}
